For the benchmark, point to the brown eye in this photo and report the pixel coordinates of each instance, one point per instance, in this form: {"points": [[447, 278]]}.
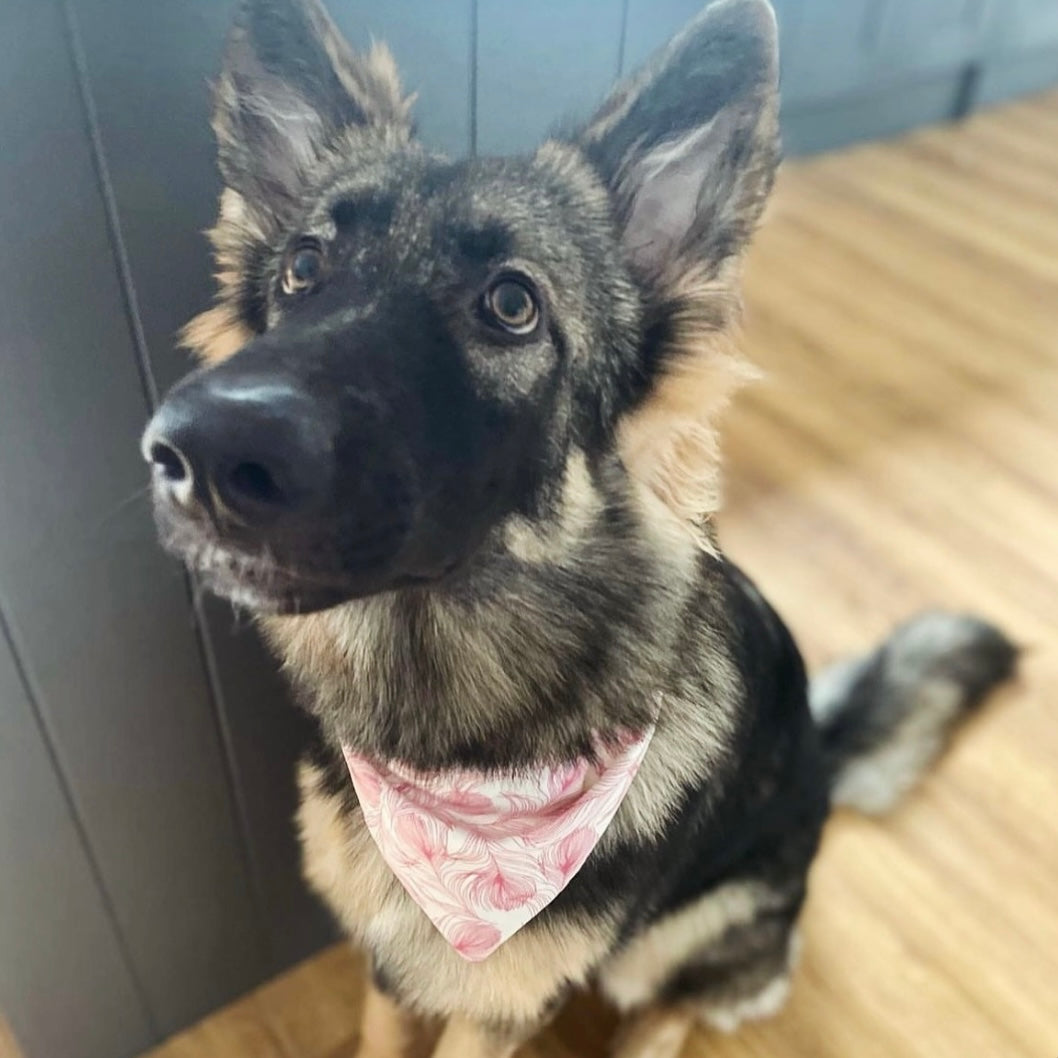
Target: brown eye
{"points": [[512, 305], [303, 268]]}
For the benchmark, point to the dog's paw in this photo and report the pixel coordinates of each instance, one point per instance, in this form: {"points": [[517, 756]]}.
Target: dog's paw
{"points": [[728, 1017]]}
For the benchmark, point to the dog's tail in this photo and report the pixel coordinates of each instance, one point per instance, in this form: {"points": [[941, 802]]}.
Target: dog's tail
{"points": [[885, 717]]}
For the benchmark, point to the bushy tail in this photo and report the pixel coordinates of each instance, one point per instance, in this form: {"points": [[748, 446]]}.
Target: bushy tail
{"points": [[885, 717]]}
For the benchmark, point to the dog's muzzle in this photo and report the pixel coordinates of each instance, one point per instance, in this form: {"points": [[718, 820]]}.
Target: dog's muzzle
{"points": [[248, 490]]}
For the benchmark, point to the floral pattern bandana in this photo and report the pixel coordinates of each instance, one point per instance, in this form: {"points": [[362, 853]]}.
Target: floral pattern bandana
{"points": [[484, 853]]}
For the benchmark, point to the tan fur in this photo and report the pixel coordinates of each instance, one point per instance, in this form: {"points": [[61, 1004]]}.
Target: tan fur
{"points": [[671, 441], [8, 1046], [464, 1039], [219, 332], [343, 864], [216, 334], [353, 641], [580, 504], [579, 507], [689, 741]]}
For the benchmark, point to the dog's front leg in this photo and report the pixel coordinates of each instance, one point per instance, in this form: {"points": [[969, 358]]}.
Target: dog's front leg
{"points": [[387, 1030], [654, 1033], [469, 1039]]}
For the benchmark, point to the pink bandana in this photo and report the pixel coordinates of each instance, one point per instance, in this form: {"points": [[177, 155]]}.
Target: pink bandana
{"points": [[482, 854]]}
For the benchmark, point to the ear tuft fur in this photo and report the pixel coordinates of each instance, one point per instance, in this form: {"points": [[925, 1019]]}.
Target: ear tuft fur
{"points": [[671, 442], [290, 85], [216, 334]]}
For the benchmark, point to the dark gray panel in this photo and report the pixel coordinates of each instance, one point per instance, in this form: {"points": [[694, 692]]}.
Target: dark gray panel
{"points": [[267, 735], [1024, 25], [1010, 76], [650, 24], [100, 617], [542, 64], [63, 981], [823, 43], [885, 112], [845, 46], [834, 46], [938, 35], [149, 67]]}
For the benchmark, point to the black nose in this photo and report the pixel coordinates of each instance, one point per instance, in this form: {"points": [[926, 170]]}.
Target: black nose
{"points": [[254, 450]]}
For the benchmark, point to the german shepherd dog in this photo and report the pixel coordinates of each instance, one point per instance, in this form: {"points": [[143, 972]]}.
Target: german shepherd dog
{"points": [[453, 444]]}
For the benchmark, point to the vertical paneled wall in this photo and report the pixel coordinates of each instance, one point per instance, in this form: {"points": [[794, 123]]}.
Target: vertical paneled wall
{"points": [[540, 64], [108, 656], [148, 867]]}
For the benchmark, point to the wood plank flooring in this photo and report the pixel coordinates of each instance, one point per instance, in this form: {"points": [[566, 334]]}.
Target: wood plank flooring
{"points": [[8, 1047], [902, 452]]}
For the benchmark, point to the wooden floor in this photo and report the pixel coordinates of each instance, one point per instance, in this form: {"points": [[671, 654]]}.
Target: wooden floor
{"points": [[902, 452]]}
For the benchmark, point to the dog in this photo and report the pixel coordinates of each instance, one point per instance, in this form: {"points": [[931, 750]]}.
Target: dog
{"points": [[453, 444]]}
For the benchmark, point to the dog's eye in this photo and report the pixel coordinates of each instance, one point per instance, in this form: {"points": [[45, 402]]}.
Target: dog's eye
{"points": [[302, 268], [511, 305]]}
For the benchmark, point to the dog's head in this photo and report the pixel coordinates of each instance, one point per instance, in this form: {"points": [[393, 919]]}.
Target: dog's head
{"points": [[406, 350]]}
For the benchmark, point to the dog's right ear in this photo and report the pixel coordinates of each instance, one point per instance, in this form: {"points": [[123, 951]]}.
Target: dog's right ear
{"points": [[290, 85], [690, 144], [688, 149]]}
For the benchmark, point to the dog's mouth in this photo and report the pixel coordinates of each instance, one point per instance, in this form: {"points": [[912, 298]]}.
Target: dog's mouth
{"points": [[266, 580], [251, 574], [257, 582]]}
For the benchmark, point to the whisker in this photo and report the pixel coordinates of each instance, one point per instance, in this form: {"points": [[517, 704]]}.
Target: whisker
{"points": [[127, 502], [198, 592]]}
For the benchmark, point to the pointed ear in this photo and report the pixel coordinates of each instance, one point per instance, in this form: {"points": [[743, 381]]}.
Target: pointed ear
{"points": [[289, 85], [690, 145], [688, 149]]}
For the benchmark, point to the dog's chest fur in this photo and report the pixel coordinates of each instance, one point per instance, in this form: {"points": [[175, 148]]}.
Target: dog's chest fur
{"points": [[664, 644], [568, 942], [343, 864], [558, 950]]}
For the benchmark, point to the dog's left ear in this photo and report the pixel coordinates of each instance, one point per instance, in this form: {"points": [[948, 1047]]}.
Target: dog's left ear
{"points": [[690, 145], [290, 85]]}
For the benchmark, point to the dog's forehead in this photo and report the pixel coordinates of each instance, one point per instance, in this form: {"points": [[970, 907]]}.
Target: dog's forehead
{"points": [[510, 203]]}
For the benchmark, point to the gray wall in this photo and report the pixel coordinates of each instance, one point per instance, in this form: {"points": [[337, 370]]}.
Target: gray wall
{"points": [[147, 861]]}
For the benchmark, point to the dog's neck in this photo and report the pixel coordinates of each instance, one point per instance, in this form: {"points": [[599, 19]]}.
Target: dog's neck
{"points": [[563, 628]]}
